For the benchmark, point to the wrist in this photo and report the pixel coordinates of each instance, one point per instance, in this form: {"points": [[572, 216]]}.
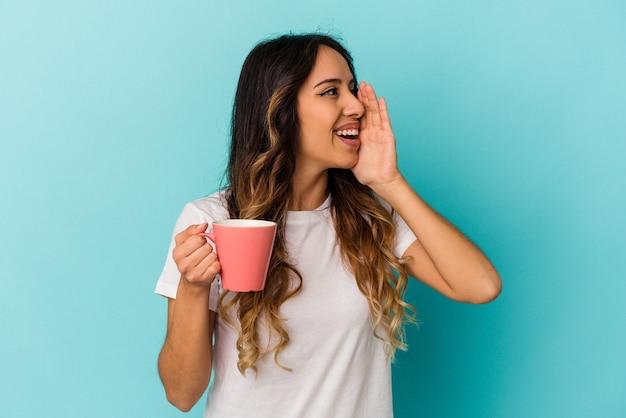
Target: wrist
{"points": [[387, 190], [193, 290]]}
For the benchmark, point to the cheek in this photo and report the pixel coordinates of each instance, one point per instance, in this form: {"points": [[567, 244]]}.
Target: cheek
{"points": [[317, 117], [314, 129]]}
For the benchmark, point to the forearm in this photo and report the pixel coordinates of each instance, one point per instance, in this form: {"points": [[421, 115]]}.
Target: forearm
{"points": [[186, 356], [463, 267], [442, 257]]}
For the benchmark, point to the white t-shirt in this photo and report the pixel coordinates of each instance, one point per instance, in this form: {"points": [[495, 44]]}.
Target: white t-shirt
{"points": [[339, 368]]}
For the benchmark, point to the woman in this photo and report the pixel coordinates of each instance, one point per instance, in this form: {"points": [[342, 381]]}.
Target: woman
{"points": [[314, 152]]}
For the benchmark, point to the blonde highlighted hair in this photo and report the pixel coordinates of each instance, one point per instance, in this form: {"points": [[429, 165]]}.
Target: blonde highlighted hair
{"points": [[264, 132]]}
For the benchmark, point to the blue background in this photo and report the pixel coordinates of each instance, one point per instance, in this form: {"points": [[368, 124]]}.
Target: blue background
{"points": [[510, 119]]}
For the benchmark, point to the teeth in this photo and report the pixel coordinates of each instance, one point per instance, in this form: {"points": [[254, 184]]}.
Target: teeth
{"points": [[348, 132]]}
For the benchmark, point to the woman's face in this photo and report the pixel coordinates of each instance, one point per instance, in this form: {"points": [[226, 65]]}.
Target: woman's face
{"points": [[328, 114]]}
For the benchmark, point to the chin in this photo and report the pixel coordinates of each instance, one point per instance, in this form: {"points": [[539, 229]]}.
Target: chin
{"points": [[347, 165]]}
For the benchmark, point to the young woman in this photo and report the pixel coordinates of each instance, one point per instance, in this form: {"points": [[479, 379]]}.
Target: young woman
{"points": [[312, 150]]}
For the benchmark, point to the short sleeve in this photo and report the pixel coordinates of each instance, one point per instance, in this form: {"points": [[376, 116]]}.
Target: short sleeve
{"points": [[193, 213], [404, 236]]}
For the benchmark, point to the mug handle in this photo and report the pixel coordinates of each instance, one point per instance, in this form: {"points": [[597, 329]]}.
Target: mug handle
{"points": [[208, 235], [211, 237]]}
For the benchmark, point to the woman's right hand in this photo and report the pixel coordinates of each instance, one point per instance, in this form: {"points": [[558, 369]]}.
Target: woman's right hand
{"points": [[187, 354], [195, 258]]}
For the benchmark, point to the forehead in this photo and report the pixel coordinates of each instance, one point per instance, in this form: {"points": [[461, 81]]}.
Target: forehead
{"points": [[329, 64]]}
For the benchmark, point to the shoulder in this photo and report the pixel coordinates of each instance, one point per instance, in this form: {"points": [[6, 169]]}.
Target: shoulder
{"points": [[213, 202], [206, 209]]}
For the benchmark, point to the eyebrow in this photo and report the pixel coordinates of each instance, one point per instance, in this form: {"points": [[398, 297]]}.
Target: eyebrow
{"points": [[333, 80]]}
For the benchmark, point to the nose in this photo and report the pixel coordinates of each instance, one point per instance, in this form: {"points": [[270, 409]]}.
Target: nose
{"points": [[353, 106]]}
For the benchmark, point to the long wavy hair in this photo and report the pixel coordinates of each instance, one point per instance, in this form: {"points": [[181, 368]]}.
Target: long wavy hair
{"points": [[264, 143]]}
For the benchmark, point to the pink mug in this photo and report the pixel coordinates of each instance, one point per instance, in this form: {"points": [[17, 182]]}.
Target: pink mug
{"points": [[244, 248]]}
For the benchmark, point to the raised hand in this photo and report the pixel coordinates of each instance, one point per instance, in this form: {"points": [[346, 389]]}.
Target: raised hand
{"points": [[377, 165]]}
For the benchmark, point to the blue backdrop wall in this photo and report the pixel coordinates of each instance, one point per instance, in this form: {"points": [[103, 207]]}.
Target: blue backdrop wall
{"points": [[510, 121]]}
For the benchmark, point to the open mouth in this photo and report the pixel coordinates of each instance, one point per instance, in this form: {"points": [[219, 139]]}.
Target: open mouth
{"points": [[350, 134]]}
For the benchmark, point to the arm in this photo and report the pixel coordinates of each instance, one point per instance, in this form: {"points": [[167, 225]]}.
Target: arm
{"points": [[443, 258], [187, 354]]}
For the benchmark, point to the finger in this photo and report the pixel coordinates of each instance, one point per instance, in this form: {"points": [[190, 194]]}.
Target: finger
{"points": [[372, 106], [204, 272], [362, 93], [190, 244], [189, 263], [362, 98], [208, 268], [191, 230], [188, 241], [384, 113]]}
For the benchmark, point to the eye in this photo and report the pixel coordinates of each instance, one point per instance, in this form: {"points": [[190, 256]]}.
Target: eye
{"points": [[330, 92], [355, 90]]}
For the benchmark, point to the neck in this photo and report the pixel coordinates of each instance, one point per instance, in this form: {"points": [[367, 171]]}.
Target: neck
{"points": [[309, 192]]}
